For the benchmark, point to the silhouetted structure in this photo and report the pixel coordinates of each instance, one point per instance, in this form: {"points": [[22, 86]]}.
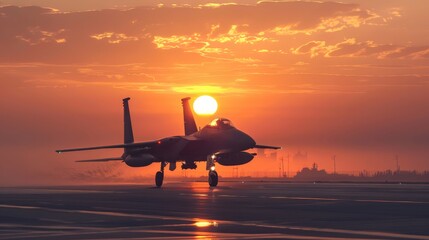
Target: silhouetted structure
{"points": [[314, 174], [218, 142]]}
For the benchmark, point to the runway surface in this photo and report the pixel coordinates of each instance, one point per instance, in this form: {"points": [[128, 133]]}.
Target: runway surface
{"points": [[249, 210]]}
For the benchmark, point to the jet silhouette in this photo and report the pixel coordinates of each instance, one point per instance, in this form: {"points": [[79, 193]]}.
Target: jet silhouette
{"points": [[218, 142]]}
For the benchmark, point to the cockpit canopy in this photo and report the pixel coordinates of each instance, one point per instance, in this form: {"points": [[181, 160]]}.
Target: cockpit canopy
{"points": [[221, 123]]}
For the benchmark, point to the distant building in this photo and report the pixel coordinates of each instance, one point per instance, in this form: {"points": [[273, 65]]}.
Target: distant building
{"points": [[313, 173]]}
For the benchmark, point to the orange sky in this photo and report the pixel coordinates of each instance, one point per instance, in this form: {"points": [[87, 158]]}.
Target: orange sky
{"points": [[326, 78]]}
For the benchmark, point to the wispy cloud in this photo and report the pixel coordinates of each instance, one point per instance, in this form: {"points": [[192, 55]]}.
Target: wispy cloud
{"points": [[201, 89], [35, 35], [148, 34], [114, 38], [352, 48]]}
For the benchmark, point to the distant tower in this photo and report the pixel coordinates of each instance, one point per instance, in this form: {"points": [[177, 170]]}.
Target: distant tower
{"points": [[398, 169], [314, 167], [288, 166], [335, 164]]}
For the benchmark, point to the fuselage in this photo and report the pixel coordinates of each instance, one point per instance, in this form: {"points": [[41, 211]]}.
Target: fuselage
{"points": [[215, 138]]}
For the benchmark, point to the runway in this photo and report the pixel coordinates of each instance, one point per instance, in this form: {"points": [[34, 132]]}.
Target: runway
{"points": [[249, 210]]}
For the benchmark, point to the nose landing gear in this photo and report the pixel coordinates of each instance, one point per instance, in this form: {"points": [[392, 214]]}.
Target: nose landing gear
{"points": [[159, 176]]}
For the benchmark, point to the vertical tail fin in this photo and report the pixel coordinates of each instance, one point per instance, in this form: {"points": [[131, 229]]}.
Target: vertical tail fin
{"points": [[188, 117], [128, 129]]}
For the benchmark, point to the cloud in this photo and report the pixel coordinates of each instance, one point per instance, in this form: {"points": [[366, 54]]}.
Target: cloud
{"points": [[208, 89], [313, 48], [334, 24], [35, 36], [186, 42], [352, 48], [409, 52], [199, 45], [114, 38], [155, 34], [236, 36]]}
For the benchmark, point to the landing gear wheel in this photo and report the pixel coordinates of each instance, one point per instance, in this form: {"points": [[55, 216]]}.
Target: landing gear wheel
{"points": [[159, 178], [213, 178]]}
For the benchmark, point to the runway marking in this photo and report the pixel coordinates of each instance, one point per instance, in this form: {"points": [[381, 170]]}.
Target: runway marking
{"points": [[20, 207], [199, 194], [390, 201], [356, 232], [353, 200], [207, 195], [239, 223], [307, 198], [137, 229], [164, 234], [50, 191], [231, 196], [241, 235]]}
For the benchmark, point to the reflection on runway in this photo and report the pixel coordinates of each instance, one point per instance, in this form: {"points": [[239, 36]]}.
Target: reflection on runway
{"points": [[233, 210]]}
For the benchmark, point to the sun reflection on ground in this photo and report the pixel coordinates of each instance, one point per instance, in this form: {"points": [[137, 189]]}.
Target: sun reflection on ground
{"points": [[205, 224]]}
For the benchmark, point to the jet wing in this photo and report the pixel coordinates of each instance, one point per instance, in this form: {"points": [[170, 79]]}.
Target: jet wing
{"points": [[101, 160], [267, 147], [127, 145]]}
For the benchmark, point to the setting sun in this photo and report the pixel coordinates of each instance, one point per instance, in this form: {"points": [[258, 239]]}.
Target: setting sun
{"points": [[205, 105]]}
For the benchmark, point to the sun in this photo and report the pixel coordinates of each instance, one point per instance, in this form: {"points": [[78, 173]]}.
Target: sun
{"points": [[205, 105]]}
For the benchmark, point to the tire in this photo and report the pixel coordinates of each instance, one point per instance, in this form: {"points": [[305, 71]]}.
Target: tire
{"points": [[213, 179], [159, 178]]}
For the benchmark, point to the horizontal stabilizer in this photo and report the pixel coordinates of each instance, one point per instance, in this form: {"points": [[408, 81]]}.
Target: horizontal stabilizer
{"points": [[267, 147], [89, 148], [127, 145], [102, 160]]}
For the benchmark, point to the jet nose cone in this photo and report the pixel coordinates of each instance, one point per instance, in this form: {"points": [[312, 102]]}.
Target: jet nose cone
{"points": [[242, 141], [250, 143]]}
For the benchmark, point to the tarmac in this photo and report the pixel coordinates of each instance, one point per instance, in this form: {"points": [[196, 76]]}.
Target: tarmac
{"points": [[186, 210]]}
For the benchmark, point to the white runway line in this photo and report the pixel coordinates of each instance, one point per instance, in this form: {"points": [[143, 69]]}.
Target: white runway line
{"points": [[352, 200], [308, 229]]}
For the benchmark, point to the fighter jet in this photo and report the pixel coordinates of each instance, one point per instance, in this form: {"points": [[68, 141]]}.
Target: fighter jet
{"points": [[218, 142]]}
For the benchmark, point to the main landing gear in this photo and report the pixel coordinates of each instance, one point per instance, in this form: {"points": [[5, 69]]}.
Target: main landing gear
{"points": [[159, 177], [213, 177]]}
